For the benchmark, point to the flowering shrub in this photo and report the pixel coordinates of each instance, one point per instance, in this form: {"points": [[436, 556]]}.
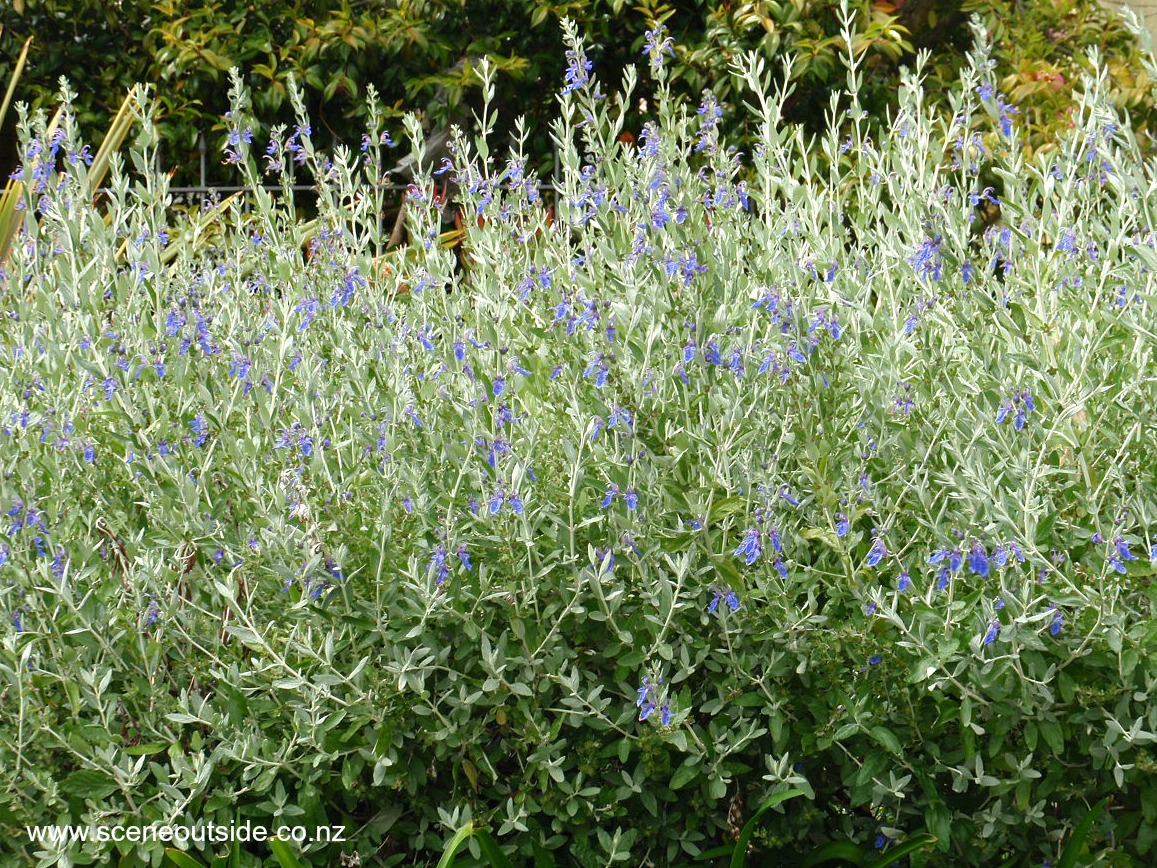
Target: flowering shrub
{"points": [[718, 478]]}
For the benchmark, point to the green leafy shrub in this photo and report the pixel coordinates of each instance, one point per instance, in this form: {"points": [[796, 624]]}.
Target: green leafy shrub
{"points": [[705, 486]]}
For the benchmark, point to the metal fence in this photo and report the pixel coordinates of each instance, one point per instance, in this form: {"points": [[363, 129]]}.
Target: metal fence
{"points": [[206, 189]]}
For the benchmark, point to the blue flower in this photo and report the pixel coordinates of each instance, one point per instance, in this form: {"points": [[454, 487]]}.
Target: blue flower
{"points": [[464, 556], [665, 714], [878, 552], [711, 352], [499, 386], [841, 524], [152, 613], [727, 595], [927, 260], [1006, 111], [438, 563], [904, 582], [1000, 555], [943, 577], [735, 364], [955, 559], [577, 71], [1122, 548], [993, 632], [515, 503], [1022, 402], [750, 549], [952, 554], [632, 498], [201, 428], [978, 560], [644, 691], [612, 490], [1058, 621], [240, 367], [657, 44], [58, 561]]}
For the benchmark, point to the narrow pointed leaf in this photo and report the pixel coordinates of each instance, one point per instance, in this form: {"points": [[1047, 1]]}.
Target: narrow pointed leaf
{"points": [[910, 845], [1076, 844], [739, 855]]}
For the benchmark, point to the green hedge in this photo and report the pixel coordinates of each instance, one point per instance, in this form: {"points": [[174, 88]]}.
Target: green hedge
{"points": [[423, 54]]}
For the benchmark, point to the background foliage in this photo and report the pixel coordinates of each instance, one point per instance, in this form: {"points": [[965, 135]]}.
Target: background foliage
{"points": [[420, 54]]}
